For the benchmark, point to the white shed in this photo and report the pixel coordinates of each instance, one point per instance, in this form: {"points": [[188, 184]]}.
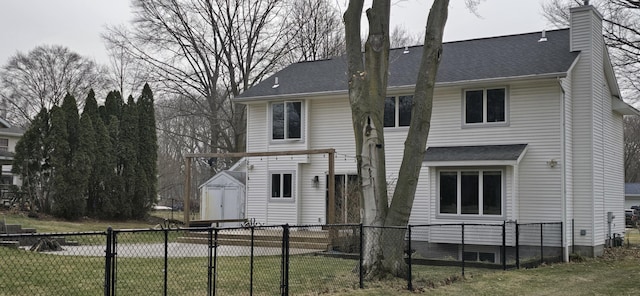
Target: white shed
{"points": [[223, 197]]}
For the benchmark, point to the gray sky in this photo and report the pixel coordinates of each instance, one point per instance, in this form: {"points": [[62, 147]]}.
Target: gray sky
{"points": [[77, 24]]}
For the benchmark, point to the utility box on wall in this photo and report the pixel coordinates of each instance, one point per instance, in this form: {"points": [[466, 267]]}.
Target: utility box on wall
{"points": [[223, 197]]}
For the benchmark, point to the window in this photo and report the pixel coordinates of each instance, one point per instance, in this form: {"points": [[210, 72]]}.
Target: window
{"points": [[286, 120], [397, 111], [282, 185], [485, 106], [4, 144], [480, 257], [471, 192]]}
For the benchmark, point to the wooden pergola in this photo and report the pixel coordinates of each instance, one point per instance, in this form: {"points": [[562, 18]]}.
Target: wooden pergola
{"points": [[331, 171]]}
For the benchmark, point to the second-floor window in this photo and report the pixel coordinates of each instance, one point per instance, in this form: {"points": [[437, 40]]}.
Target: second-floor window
{"points": [[286, 120], [485, 106], [397, 111], [4, 144]]}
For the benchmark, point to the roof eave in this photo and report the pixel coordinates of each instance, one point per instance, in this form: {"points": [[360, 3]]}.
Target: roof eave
{"points": [[336, 93]]}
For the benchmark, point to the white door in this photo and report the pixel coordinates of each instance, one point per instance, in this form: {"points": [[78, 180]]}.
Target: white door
{"points": [[214, 203], [230, 206]]}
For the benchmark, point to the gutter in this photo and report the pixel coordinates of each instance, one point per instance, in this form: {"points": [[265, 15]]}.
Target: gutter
{"points": [[563, 181], [336, 93]]}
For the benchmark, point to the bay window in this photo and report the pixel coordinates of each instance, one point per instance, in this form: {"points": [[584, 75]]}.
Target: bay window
{"points": [[471, 192]]}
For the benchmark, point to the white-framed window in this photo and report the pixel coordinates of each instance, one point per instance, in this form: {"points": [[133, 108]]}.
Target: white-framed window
{"points": [[282, 185], [471, 192], [487, 106], [286, 120], [4, 144], [397, 111], [473, 256]]}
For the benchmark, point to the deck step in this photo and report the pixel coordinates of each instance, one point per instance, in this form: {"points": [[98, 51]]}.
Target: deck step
{"points": [[10, 244]]}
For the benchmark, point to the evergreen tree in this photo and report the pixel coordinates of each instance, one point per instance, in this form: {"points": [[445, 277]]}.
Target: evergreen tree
{"points": [[32, 163], [128, 158], [62, 204], [113, 105], [72, 144], [147, 150], [90, 114]]}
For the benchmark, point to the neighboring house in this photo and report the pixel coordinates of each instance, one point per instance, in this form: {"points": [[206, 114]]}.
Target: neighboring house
{"points": [[631, 195], [9, 136], [525, 127]]}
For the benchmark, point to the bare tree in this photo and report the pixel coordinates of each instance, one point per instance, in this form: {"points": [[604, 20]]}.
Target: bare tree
{"points": [[207, 52], [400, 37], [368, 74], [621, 31], [125, 74], [42, 77], [317, 31]]}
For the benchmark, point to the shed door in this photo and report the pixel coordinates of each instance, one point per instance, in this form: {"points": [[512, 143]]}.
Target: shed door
{"points": [[223, 203], [214, 203], [230, 208]]}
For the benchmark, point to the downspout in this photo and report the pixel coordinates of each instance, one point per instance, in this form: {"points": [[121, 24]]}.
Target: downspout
{"points": [[563, 149]]}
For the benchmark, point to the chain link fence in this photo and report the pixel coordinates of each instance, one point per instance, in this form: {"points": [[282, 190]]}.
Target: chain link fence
{"points": [[263, 260]]}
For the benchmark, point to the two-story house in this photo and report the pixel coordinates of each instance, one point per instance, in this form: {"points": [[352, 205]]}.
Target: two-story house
{"points": [[9, 136], [525, 127]]}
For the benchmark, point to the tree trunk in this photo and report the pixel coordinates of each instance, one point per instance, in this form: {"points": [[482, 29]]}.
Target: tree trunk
{"points": [[383, 250]]}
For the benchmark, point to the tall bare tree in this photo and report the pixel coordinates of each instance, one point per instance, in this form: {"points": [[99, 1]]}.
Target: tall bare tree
{"points": [[368, 74], [201, 53], [42, 77], [317, 31], [621, 31]]}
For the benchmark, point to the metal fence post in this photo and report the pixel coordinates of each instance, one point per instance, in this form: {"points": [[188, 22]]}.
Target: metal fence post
{"points": [[215, 259], [517, 245], [210, 263], [166, 258], [284, 279], [251, 261], [107, 263], [114, 262], [562, 244], [504, 245], [360, 258], [463, 250], [409, 284], [541, 244]]}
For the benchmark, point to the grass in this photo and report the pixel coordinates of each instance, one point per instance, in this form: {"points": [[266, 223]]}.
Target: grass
{"points": [[47, 224]]}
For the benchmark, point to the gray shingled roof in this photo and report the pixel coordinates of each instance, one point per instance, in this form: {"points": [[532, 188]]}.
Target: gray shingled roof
{"points": [[487, 58], [467, 153]]}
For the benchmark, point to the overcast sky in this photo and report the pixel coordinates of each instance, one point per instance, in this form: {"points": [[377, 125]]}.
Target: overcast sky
{"points": [[77, 24]]}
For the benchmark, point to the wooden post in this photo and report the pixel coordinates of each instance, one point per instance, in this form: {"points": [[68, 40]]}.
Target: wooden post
{"points": [[332, 190], [186, 207], [332, 200]]}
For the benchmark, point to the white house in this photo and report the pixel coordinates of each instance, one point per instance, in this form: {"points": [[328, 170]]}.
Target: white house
{"points": [[525, 127], [9, 136]]}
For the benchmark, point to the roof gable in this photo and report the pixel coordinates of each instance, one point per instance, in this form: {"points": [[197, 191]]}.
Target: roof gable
{"points": [[478, 59]]}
